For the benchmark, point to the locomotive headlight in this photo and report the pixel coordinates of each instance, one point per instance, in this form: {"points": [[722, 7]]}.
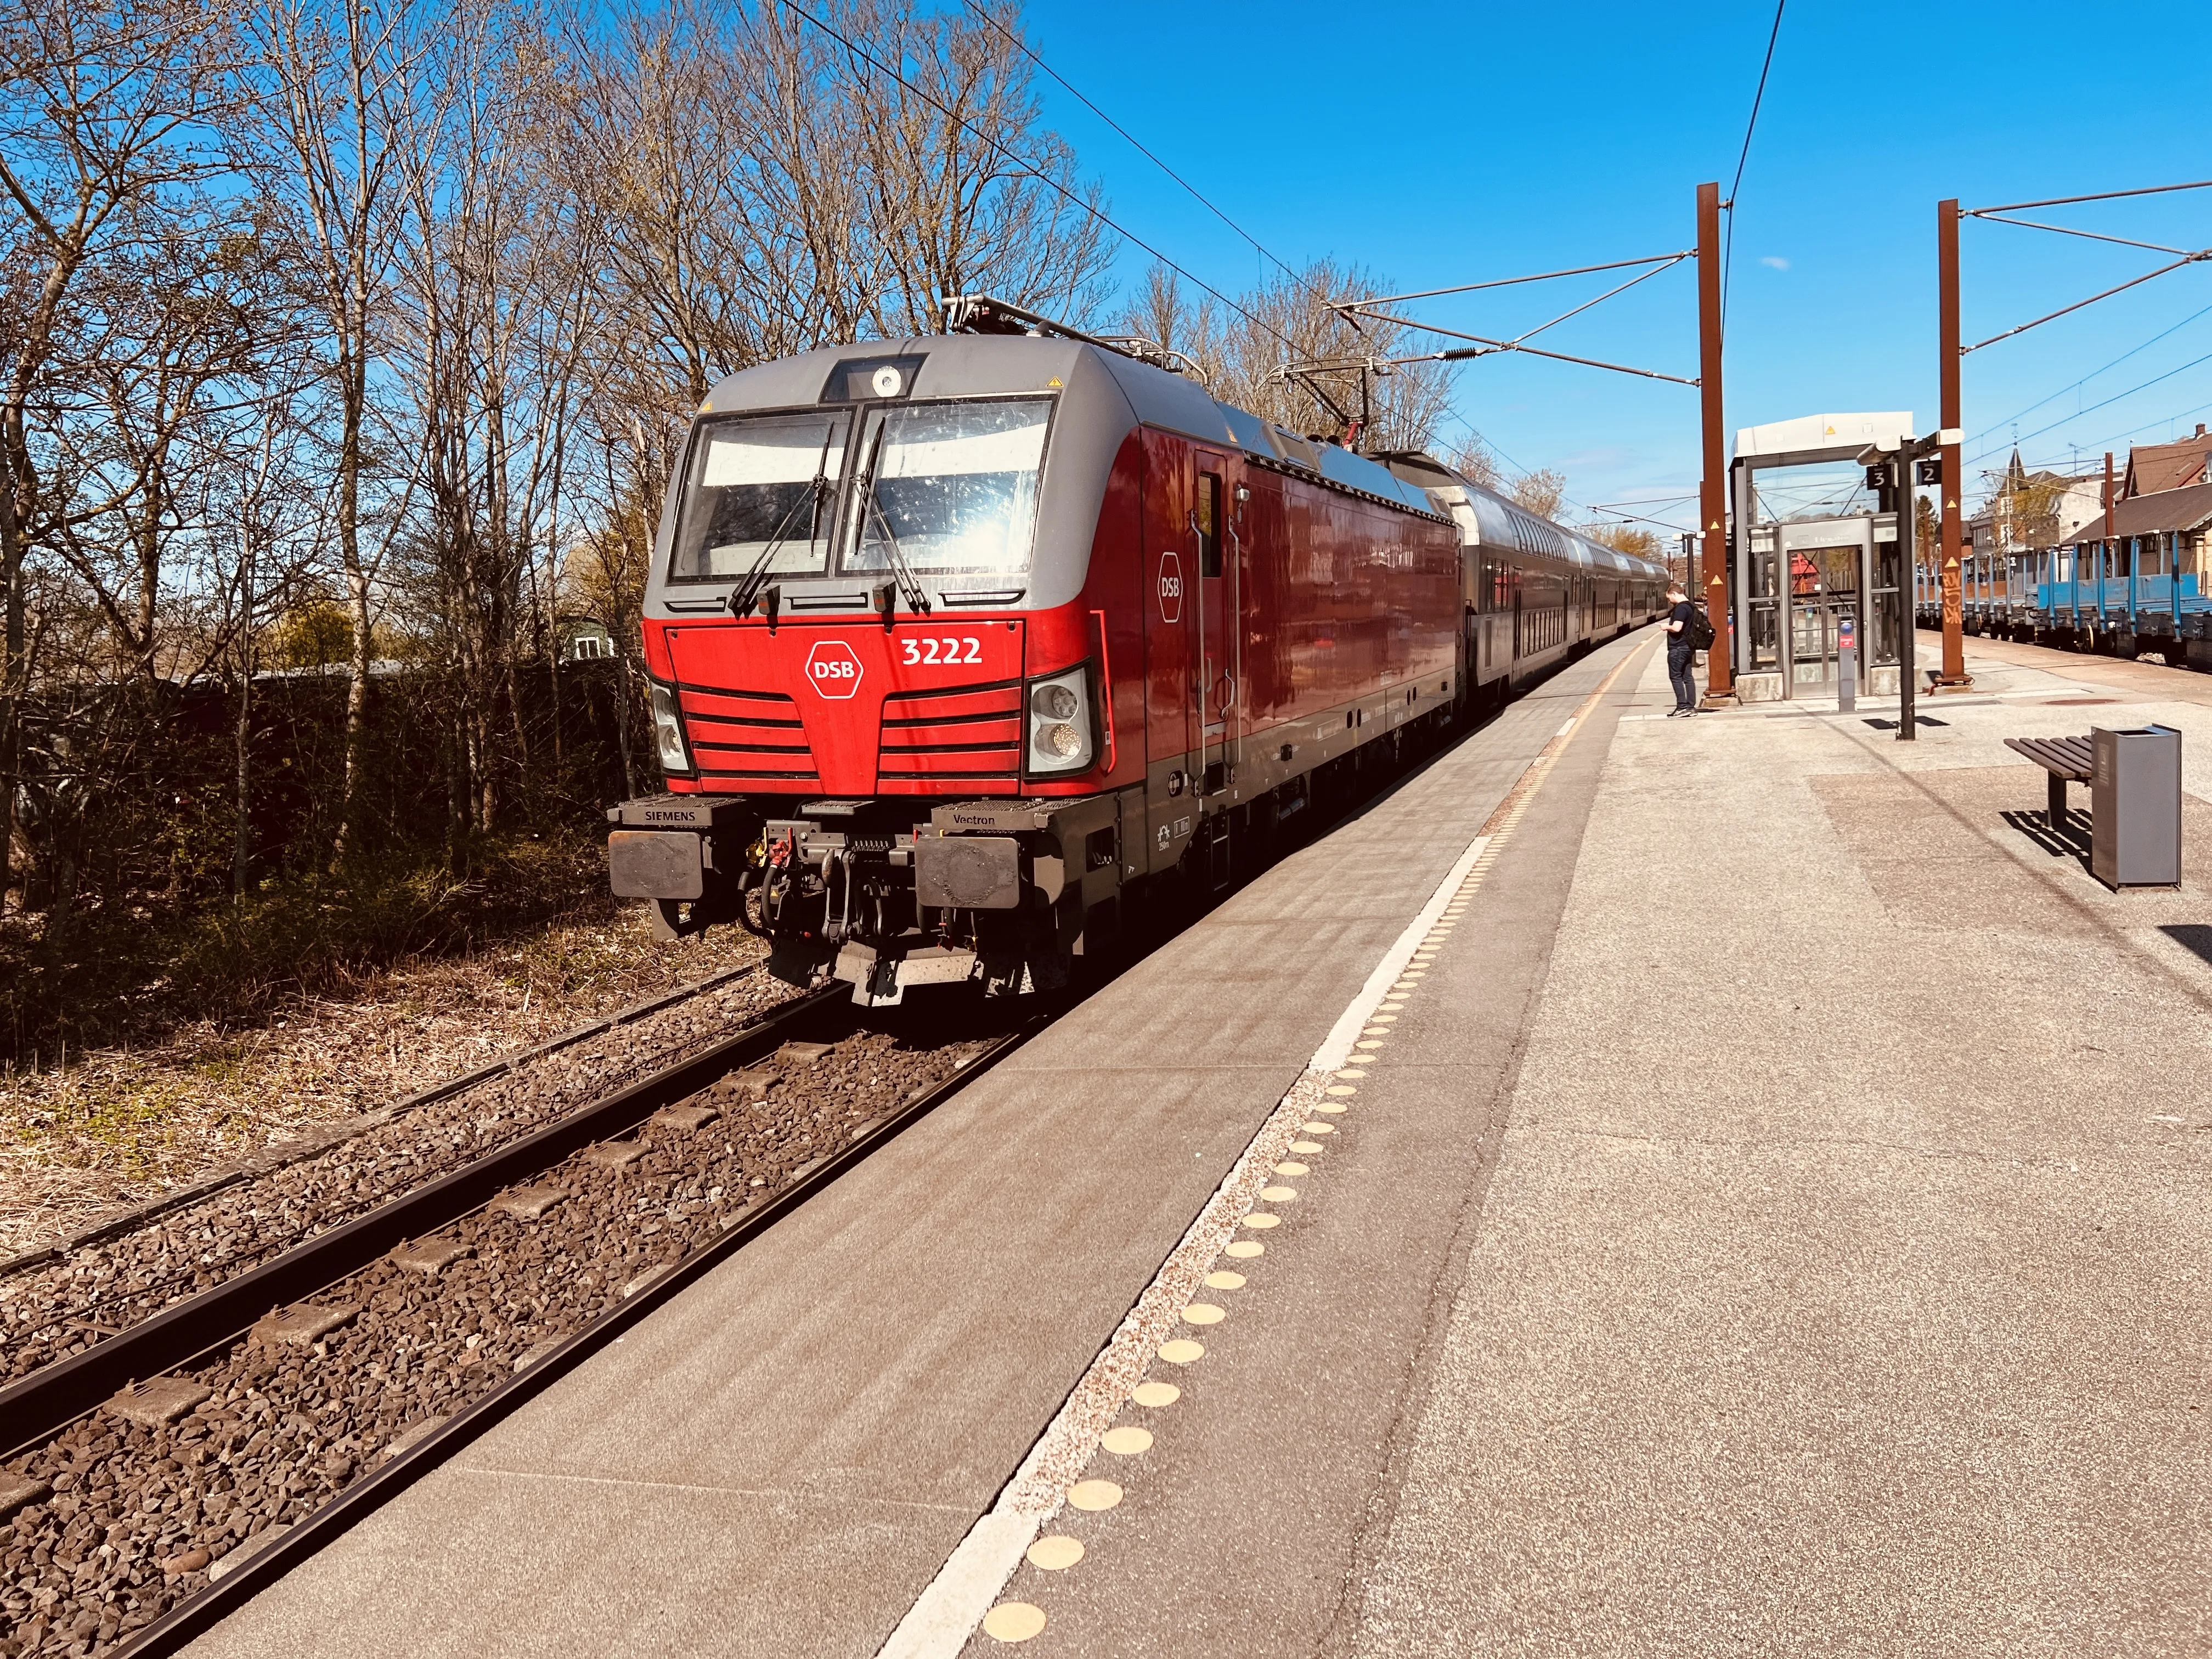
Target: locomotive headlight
{"points": [[1059, 722], [668, 732]]}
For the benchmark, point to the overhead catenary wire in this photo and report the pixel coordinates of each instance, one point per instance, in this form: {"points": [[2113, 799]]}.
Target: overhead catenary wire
{"points": [[1095, 212], [1136, 143], [2096, 196], [2063, 311], [1509, 282], [1659, 262], [2103, 403], [2072, 385], [1743, 156]]}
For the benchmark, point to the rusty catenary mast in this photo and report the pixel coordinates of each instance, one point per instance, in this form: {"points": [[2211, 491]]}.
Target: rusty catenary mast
{"points": [[1951, 544], [1712, 494]]}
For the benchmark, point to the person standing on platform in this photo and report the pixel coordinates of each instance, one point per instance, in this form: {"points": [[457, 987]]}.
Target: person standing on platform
{"points": [[1681, 649]]}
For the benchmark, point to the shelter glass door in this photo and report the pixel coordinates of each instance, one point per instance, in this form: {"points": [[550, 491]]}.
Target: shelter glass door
{"points": [[1824, 589]]}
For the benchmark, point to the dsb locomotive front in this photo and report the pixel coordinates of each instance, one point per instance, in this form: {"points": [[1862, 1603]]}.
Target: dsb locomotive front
{"points": [[961, 646]]}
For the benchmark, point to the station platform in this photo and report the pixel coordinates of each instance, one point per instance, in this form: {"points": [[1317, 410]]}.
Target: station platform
{"points": [[1765, 1216]]}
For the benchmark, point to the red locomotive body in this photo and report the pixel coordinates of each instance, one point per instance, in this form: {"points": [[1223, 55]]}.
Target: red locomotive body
{"points": [[1061, 628]]}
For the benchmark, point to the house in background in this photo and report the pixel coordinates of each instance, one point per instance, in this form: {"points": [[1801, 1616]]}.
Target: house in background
{"points": [[2156, 467], [584, 639]]}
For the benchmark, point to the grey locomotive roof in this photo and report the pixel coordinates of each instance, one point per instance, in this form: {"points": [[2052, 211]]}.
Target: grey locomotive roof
{"points": [[971, 365], [1105, 394]]}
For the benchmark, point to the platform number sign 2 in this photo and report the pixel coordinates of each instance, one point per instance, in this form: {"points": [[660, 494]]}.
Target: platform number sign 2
{"points": [[833, 669], [1169, 586]]}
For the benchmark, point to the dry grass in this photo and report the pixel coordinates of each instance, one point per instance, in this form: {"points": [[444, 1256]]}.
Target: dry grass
{"points": [[120, 1125]]}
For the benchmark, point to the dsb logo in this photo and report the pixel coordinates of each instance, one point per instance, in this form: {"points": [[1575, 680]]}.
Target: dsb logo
{"points": [[833, 670]]}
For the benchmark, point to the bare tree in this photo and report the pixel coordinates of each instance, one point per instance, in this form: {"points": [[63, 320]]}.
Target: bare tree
{"points": [[1281, 351], [100, 114], [334, 86], [1474, 458], [1543, 492]]}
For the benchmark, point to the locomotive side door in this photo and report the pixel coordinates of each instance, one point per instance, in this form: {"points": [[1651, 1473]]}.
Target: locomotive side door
{"points": [[1219, 619], [1171, 566]]}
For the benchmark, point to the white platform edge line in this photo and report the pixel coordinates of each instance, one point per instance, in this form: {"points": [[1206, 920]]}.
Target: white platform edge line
{"points": [[953, 1604], [1336, 1047]]}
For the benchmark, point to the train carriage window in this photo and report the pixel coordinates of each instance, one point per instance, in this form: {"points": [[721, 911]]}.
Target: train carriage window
{"points": [[949, 486], [761, 487], [1207, 515]]}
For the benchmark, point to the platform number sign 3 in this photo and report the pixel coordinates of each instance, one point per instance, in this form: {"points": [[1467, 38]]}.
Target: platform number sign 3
{"points": [[833, 669], [1169, 586]]}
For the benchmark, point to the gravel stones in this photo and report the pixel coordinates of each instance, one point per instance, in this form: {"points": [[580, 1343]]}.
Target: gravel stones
{"points": [[360, 1162], [111, 1505]]}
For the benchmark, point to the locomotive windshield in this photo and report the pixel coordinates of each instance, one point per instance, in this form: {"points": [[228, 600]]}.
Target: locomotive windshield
{"points": [[948, 486], [762, 487]]}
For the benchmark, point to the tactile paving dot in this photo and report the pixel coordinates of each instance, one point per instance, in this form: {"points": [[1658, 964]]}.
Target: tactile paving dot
{"points": [[1318, 1128], [1094, 1495], [1308, 1148], [1332, 1106], [1347, 1071], [1279, 1195], [1013, 1621], [1156, 1395], [1182, 1352], [1289, 1167], [1055, 1553], [1204, 1313], [1224, 1280], [1262, 1221], [1244, 1249], [1341, 1089], [1127, 1441]]}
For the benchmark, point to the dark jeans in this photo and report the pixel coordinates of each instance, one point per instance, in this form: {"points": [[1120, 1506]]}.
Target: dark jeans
{"points": [[1679, 658]]}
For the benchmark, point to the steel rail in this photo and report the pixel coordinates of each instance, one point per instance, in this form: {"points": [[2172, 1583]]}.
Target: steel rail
{"points": [[37, 1408], [262, 1569], [314, 1142]]}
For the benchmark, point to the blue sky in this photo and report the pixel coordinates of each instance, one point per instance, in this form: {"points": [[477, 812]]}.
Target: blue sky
{"points": [[1454, 143]]}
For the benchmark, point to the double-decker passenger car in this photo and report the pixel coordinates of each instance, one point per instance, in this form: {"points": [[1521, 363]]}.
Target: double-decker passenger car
{"points": [[961, 645]]}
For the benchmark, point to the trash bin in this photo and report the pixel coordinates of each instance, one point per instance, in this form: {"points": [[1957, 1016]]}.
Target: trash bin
{"points": [[2135, 799]]}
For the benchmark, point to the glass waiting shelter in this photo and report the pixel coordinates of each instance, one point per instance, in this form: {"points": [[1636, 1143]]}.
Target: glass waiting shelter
{"points": [[1810, 547]]}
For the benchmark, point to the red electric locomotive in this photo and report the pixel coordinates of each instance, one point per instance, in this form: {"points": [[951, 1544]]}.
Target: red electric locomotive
{"points": [[959, 645]]}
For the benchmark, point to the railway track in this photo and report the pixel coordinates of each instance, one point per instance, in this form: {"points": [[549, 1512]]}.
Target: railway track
{"points": [[71, 1295], [162, 1475]]}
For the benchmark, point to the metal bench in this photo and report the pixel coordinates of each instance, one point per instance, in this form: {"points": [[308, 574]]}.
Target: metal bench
{"points": [[2066, 759]]}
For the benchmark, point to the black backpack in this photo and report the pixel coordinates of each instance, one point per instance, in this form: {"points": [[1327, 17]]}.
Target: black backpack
{"points": [[1698, 630]]}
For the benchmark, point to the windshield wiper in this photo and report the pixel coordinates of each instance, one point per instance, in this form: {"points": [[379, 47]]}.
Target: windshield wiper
{"points": [[742, 595], [903, 579]]}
